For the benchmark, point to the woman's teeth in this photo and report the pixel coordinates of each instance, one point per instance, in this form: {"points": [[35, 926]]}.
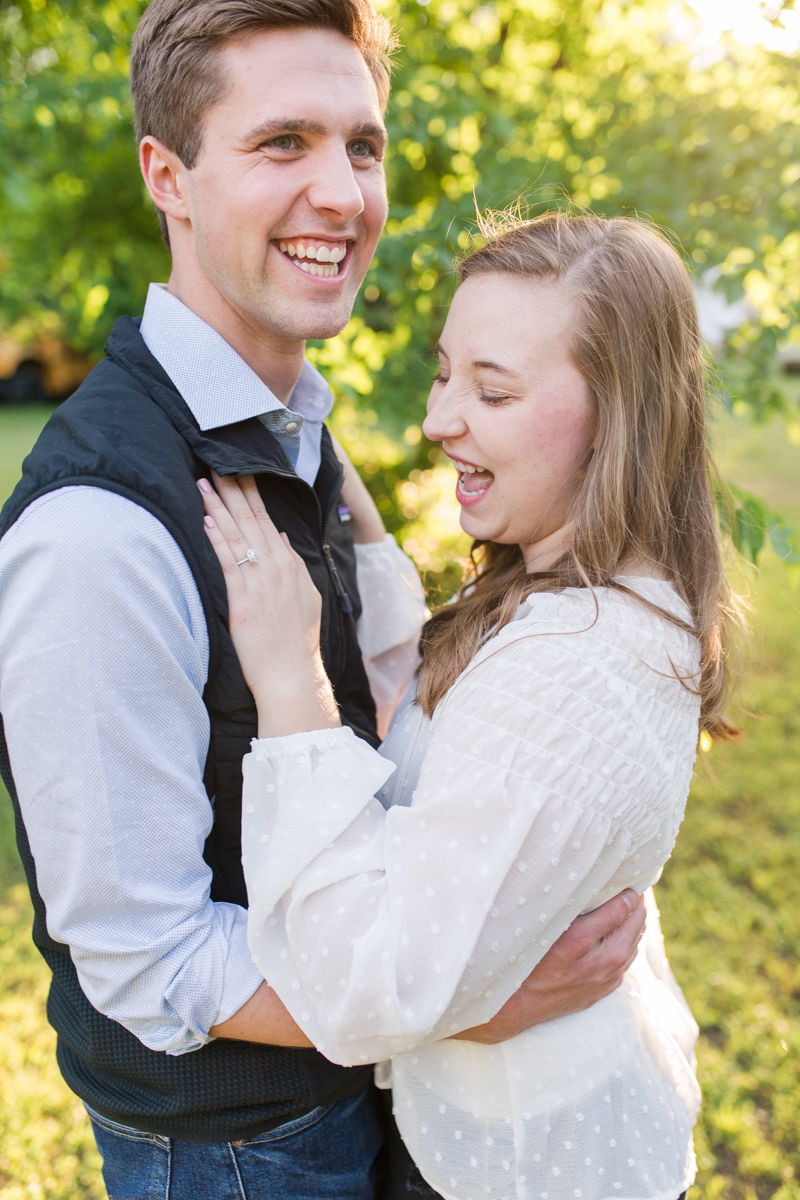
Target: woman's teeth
{"points": [[478, 478], [470, 468], [479, 482], [315, 258]]}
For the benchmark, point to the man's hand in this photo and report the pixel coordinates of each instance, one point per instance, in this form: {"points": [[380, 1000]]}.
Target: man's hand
{"points": [[586, 963]]}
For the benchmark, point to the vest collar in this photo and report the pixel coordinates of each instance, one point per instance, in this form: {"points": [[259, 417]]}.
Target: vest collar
{"points": [[244, 448]]}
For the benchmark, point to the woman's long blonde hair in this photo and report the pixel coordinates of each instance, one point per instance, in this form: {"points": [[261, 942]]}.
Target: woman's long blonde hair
{"points": [[647, 491]]}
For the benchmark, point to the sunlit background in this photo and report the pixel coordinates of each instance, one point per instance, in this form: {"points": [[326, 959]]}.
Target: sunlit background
{"points": [[772, 26], [688, 115]]}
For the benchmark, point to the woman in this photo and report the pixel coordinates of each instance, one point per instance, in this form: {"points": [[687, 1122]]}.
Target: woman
{"points": [[542, 763]]}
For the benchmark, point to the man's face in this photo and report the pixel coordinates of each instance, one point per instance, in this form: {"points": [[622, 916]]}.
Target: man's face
{"points": [[287, 198]]}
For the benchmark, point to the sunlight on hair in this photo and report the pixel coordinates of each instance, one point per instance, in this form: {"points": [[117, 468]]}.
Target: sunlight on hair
{"points": [[647, 495]]}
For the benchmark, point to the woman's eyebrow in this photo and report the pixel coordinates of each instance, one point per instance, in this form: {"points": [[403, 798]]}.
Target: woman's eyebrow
{"points": [[493, 366], [483, 364]]}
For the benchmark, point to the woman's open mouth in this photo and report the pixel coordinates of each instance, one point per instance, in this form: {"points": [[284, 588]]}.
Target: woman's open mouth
{"points": [[313, 256], [473, 481]]}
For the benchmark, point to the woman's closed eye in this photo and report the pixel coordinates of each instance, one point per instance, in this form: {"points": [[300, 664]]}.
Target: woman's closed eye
{"points": [[492, 398]]}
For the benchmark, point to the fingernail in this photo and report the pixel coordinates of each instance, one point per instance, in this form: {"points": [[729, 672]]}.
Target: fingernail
{"points": [[204, 485], [631, 899], [209, 522]]}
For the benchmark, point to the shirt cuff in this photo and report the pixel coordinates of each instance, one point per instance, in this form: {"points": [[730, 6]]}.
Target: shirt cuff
{"points": [[189, 995], [242, 976]]}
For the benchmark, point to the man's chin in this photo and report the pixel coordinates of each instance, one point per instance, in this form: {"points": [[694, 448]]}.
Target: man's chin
{"points": [[310, 320]]}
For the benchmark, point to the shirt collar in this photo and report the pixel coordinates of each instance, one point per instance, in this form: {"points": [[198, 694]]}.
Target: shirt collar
{"points": [[216, 383]]}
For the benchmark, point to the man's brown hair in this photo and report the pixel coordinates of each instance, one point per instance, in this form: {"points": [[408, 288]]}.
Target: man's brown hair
{"points": [[175, 74]]}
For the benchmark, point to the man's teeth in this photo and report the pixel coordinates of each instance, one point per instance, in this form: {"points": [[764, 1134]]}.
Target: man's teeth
{"points": [[319, 268], [315, 260]]}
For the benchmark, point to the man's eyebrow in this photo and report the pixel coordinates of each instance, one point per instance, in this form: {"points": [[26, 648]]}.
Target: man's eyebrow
{"points": [[274, 128], [371, 129]]}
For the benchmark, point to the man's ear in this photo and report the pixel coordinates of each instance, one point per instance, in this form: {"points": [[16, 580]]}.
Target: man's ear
{"points": [[163, 172]]}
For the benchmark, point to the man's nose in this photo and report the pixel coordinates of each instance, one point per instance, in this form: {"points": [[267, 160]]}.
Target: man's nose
{"points": [[444, 419], [335, 189]]}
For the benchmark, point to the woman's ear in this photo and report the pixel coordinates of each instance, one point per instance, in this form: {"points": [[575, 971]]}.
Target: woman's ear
{"points": [[163, 174]]}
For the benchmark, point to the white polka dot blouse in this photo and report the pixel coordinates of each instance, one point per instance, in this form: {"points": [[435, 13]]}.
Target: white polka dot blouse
{"points": [[401, 896]]}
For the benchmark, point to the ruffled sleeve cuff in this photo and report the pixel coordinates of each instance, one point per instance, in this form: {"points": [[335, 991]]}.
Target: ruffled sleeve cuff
{"points": [[300, 792]]}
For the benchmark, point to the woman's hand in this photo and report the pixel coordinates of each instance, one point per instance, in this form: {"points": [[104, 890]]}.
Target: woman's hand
{"points": [[273, 611], [366, 523]]}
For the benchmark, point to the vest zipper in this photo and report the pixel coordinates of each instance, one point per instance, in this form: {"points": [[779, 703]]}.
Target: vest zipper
{"points": [[344, 599]]}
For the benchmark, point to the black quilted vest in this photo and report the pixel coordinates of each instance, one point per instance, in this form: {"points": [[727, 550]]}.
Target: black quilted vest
{"points": [[127, 429]]}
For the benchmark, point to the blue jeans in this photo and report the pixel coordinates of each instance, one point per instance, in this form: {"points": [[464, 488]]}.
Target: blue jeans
{"points": [[328, 1154]]}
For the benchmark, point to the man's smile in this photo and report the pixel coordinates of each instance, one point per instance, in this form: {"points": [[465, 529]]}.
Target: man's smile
{"points": [[315, 256]]}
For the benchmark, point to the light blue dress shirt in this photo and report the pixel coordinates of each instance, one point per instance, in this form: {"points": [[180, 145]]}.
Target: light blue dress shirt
{"points": [[103, 661], [220, 388]]}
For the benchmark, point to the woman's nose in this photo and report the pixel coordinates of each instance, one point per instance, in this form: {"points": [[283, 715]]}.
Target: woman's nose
{"points": [[444, 419]]}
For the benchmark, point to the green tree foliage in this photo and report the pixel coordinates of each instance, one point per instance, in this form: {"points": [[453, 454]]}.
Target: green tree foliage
{"points": [[604, 102], [609, 103], [78, 243]]}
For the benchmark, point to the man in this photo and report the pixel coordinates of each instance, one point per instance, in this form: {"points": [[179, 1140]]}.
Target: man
{"points": [[126, 715]]}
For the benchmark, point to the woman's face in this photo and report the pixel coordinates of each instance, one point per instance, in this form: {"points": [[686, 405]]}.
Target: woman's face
{"points": [[512, 412]]}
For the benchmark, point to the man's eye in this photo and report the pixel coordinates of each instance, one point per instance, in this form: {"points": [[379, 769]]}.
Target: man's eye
{"points": [[284, 142], [362, 149], [440, 378]]}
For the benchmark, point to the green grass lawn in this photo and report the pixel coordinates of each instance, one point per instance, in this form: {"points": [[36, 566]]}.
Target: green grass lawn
{"points": [[730, 902]]}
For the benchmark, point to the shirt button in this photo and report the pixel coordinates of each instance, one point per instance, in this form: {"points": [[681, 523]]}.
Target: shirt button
{"points": [[290, 426]]}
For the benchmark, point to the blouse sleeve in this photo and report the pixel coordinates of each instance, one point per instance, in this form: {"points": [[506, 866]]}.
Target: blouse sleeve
{"points": [[393, 613], [546, 772]]}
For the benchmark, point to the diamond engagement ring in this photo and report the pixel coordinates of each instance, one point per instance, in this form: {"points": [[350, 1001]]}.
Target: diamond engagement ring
{"points": [[252, 556]]}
